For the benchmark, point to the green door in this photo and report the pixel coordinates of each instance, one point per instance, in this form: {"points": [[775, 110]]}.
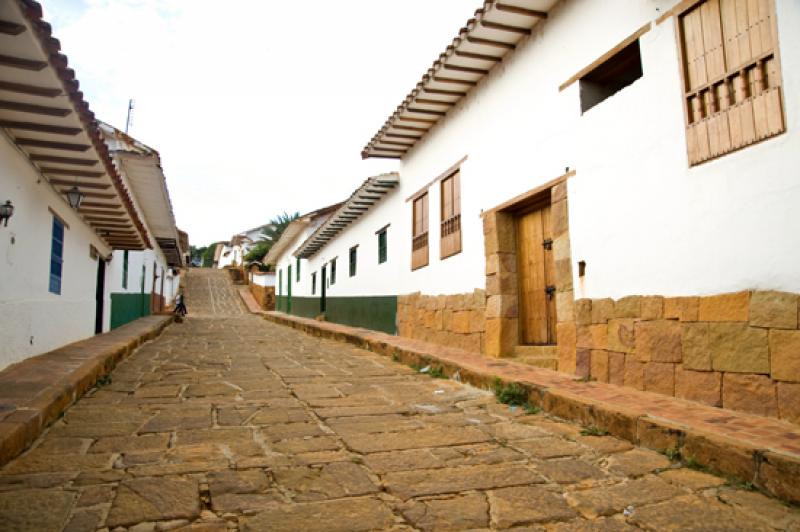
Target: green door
{"points": [[289, 290]]}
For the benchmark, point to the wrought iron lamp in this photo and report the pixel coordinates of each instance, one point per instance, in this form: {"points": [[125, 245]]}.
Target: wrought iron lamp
{"points": [[75, 197], [6, 212]]}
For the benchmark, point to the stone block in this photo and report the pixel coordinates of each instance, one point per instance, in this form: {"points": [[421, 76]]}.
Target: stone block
{"points": [[492, 264], [561, 247], [773, 309], [634, 373], [681, 308], [477, 321], [592, 336], [599, 365], [460, 322], [563, 275], [489, 222], [503, 306], [501, 239], [566, 335], [479, 299], [501, 284], [621, 335], [780, 475], [739, 348], [583, 311], [441, 302], [750, 393], [789, 401], [725, 307], [784, 350], [721, 454], [659, 434], [658, 341], [701, 386], [628, 307], [501, 336], [583, 362], [652, 307], [616, 368], [602, 310], [559, 217], [694, 346], [565, 308], [659, 377]]}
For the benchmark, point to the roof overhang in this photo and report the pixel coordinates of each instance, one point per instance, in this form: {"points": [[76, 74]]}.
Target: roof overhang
{"points": [[287, 237], [495, 30], [44, 114], [141, 167], [371, 191]]}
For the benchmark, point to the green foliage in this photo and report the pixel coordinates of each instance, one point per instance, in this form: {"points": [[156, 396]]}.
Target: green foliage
{"points": [[275, 228], [594, 431], [532, 409], [437, 373], [692, 463], [512, 394], [208, 255], [587, 378], [105, 380], [196, 253], [673, 453], [258, 252]]}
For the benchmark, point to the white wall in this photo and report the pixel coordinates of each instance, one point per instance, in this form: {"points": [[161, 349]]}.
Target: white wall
{"points": [[263, 278], [34, 320], [137, 259], [644, 222]]}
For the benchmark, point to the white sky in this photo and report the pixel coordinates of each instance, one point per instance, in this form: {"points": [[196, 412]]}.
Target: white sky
{"points": [[256, 106]]}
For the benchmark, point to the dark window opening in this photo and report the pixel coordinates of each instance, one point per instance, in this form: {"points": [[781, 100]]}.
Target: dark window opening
{"points": [[353, 258], [297, 268], [56, 256], [610, 77], [333, 271], [382, 247], [313, 283]]}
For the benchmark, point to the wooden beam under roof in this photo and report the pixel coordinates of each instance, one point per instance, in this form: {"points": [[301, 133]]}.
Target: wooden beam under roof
{"points": [[402, 136], [65, 146], [22, 63], [432, 102], [99, 205], [110, 226], [471, 70], [33, 90], [34, 109], [505, 27], [420, 120], [473, 55], [91, 194], [392, 150], [393, 143], [11, 28], [381, 156], [521, 10], [491, 42], [444, 92], [42, 128], [99, 211], [68, 171], [425, 111], [455, 81], [409, 128], [66, 160], [70, 182], [104, 218]]}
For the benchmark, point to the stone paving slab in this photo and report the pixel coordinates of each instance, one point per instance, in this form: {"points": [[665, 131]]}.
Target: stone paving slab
{"points": [[447, 456], [35, 391], [758, 450]]}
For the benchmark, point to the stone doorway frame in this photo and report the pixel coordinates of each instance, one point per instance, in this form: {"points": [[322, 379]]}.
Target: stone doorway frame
{"points": [[502, 304]]}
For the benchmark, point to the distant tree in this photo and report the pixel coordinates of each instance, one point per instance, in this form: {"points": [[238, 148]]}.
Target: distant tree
{"points": [[208, 255], [269, 235], [197, 254]]}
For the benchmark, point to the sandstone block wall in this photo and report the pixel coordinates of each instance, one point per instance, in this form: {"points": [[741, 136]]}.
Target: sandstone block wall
{"points": [[739, 351], [264, 295], [457, 320]]}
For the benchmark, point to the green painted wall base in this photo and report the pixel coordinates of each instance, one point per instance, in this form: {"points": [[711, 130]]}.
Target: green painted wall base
{"points": [[378, 313], [128, 307]]}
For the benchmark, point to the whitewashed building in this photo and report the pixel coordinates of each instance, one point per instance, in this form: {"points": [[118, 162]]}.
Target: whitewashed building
{"points": [[144, 282], [53, 271], [603, 188]]}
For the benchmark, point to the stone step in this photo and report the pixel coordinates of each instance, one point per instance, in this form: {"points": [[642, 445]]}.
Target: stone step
{"points": [[541, 356]]}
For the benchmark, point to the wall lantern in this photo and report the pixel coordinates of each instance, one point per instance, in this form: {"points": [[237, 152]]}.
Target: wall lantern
{"points": [[6, 211], [75, 197]]}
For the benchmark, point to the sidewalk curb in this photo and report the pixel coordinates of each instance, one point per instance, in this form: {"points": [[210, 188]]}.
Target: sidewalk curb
{"points": [[76, 368], [773, 471]]}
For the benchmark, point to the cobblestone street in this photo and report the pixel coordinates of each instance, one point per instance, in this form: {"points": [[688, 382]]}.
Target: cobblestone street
{"points": [[228, 422]]}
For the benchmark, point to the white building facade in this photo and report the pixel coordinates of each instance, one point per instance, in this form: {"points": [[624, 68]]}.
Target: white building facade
{"points": [[615, 199]]}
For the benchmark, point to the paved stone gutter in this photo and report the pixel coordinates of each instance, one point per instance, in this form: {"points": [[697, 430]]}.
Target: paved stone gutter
{"points": [[764, 452], [36, 391]]}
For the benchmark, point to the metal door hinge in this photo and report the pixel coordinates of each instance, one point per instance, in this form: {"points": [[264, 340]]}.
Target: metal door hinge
{"points": [[550, 290], [547, 243]]}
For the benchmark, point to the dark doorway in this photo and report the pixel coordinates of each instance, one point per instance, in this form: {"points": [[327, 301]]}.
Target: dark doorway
{"points": [[324, 283], [100, 295]]}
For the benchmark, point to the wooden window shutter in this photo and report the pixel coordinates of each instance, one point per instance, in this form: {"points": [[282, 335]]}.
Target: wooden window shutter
{"points": [[419, 237], [451, 216], [732, 81]]}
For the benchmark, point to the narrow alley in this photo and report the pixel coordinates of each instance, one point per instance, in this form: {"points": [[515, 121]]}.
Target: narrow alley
{"points": [[227, 422]]}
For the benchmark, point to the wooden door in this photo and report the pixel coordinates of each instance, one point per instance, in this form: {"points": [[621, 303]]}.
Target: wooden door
{"points": [[323, 293], [537, 303]]}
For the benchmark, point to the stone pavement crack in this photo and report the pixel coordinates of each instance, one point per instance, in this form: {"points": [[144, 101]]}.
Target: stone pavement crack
{"points": [[229, 422]]}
